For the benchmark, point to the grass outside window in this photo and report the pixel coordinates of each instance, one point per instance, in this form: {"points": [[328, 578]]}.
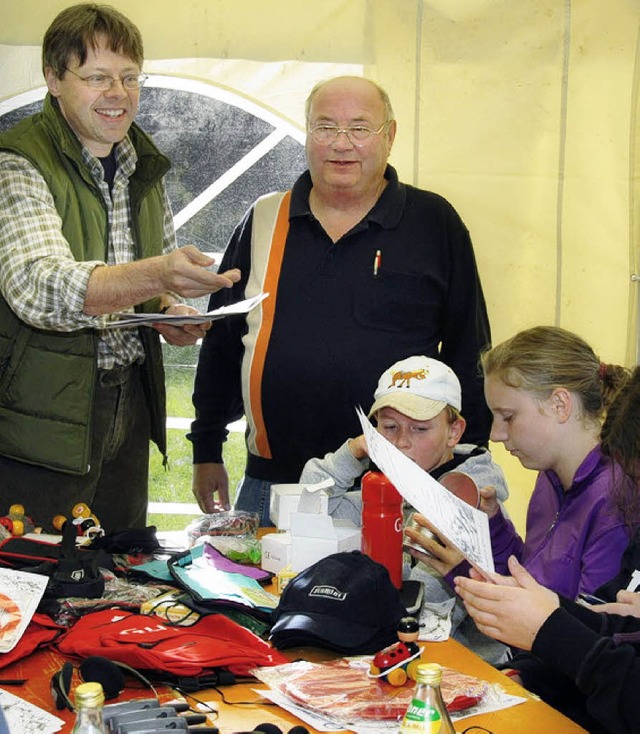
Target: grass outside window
{"points": [[174, 483]]}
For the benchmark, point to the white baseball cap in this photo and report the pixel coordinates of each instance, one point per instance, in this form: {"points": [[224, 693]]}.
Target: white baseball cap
{"points": [[418, 387]]}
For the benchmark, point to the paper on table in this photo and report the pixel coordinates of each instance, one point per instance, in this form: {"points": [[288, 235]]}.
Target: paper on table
{"points": [[464, 527], [23, 716], [127, 319], [19, 599]]}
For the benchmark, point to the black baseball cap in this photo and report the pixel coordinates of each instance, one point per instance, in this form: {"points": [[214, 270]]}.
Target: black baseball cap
{"points": [[344, 602]]}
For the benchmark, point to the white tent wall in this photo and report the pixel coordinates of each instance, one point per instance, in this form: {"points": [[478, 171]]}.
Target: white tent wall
{"points": [[523, 114]]}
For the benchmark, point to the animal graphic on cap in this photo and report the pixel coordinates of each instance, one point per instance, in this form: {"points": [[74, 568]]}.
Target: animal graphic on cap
{"points": [[404, 378]]}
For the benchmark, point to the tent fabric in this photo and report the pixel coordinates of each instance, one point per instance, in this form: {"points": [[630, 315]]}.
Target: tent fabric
{"points": [[522, 114]]}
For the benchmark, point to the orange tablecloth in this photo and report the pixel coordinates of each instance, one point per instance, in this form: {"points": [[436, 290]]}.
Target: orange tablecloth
{"points": [[531, 717]]}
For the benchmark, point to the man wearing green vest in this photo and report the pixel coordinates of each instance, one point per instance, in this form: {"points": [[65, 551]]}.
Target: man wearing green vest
{"points": [[86, 230]]}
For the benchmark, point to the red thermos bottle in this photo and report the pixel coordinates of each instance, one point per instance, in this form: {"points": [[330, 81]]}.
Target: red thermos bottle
{"points": [[382, 523]]}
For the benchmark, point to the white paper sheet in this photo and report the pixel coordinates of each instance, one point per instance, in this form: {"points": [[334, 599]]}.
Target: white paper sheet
{"points": [[435, 620], [464, 527], [24, 717], [130, 319], [19, 597]]}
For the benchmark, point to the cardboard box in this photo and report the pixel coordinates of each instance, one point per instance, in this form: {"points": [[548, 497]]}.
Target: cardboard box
{"points": [[285, 499], [276, 551], [315, 536]]}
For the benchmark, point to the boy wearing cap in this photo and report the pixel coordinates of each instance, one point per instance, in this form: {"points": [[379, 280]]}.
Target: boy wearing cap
{"points": [[417, 408]]}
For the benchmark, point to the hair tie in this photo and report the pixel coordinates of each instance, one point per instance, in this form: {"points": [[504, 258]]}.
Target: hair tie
{"points": [[602, 371]]}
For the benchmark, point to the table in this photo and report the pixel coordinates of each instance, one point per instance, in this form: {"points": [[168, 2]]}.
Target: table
{"points": [[530, 717], [38, 669], [527, 718]]}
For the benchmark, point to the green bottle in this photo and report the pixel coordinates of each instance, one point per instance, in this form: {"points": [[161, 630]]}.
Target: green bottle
{"points": [[427, 713]]}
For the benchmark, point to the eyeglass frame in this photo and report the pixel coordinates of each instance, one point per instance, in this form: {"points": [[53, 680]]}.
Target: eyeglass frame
{"points": [[346, 131], [142, 78]]}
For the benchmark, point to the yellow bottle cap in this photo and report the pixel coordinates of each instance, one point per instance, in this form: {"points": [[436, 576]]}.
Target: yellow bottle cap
{"points": [[429, 673], [89, 694]]}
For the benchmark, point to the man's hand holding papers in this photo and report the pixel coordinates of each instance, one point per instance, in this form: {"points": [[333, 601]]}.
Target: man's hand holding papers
{"points": [[131, 319]]}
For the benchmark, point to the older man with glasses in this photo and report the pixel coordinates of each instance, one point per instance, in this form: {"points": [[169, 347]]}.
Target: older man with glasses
{"points": [[361, 271], [86, 230]]}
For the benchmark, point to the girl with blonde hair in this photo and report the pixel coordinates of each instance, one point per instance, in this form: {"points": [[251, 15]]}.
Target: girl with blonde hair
{"points": [[548, 393], [584, 661]]}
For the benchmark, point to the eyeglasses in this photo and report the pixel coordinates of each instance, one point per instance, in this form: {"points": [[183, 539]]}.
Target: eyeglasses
{"points": [[357, 134], [104, 83]]}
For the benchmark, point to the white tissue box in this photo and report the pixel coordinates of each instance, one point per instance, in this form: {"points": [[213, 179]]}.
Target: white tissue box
{"points": [[276, 551], [285, 499], [315, 536]]}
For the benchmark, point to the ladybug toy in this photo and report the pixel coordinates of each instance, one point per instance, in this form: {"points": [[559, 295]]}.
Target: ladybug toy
{"points": [[396, 663]]}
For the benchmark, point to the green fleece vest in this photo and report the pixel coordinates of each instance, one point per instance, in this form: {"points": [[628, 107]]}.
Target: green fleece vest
{"points": [[47, 378]]}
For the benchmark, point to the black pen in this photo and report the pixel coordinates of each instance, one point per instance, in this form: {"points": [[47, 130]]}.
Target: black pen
{"points": [[12, 682]]}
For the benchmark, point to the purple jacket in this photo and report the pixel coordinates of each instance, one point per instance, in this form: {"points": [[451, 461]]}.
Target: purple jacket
{"points": [[574, 540]]}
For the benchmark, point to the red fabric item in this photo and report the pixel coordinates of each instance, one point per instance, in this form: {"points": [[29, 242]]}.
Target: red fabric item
{"points": [[145, 642], [40, 630]]}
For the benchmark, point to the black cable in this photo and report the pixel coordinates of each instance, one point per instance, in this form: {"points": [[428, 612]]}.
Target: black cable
{"points": [[256, 702], [200, 702]]}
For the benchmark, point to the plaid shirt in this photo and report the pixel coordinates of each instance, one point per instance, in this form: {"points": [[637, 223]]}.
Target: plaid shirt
{"points": [[39, 277]]}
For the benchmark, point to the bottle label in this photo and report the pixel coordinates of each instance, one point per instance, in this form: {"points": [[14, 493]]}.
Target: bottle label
{"points": [[422, 718]]}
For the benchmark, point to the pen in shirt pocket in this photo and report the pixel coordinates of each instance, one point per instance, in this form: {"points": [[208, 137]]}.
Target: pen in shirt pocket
{"points": [[377, 261]]}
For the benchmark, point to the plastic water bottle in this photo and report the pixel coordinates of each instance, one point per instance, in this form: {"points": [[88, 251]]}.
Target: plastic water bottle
{"points": [[382, 523]]}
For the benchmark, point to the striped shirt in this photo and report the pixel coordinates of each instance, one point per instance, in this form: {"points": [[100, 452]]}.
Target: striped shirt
{"points": [[39, 277]]}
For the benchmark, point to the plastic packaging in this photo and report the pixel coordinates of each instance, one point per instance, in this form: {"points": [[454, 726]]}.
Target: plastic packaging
{"points": [[343, 691], [237, 523], [240, 550], [382, 523]]}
